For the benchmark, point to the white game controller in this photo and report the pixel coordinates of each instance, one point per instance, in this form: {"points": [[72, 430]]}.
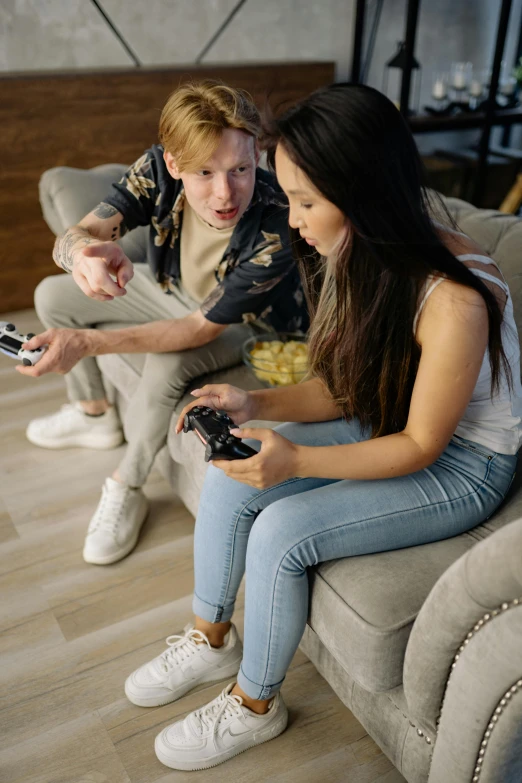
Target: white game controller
{"points": [[11, 344]]}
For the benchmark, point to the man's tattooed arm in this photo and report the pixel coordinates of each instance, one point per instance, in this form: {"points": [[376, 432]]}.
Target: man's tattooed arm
{"points": [[107, 226], [68, 243], [107, 211], [118, 231]]}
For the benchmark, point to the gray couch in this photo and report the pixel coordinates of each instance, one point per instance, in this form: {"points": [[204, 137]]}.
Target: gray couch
{"points": [[424, 645]]}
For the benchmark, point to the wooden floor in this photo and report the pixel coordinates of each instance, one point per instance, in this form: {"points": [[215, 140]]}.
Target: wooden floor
{"points": [[71, 632]]}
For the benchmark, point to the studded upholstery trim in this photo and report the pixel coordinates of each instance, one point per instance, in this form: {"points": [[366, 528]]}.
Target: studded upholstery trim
{"points": [[499, 709], [504, 701]]}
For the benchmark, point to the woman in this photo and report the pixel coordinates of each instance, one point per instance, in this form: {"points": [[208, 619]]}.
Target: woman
{"points": [[406, 433]]}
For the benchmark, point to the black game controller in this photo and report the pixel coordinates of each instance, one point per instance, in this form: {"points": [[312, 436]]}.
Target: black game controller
{"points": [[213, 429]]}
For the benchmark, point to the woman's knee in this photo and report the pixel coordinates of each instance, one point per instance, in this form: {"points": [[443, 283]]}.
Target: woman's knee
{"points": [[215, 480], [227, 497], [275, 540]]}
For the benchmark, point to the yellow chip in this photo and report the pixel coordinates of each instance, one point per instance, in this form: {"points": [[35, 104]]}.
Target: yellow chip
{"points": [[278, 363]]}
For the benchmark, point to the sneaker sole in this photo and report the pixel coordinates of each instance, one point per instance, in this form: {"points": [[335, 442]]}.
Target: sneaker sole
{"points": [[87, 441], [261, 736], [114, 558], [220, 674]]}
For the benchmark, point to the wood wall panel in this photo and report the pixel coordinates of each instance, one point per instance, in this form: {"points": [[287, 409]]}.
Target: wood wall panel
{"points": [[85, 119]]}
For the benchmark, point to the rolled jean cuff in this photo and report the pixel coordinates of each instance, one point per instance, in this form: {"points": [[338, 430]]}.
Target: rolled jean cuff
{"points": [[254, 690], [211, 613]]}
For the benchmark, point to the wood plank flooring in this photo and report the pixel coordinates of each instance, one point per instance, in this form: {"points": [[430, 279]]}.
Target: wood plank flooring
{"points": [[71, 632]]}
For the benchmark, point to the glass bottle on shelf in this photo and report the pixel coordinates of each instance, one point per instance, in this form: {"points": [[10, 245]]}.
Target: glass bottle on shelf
{"points": [[460, 79], [507, 86], [476, 93], [440, 90]]}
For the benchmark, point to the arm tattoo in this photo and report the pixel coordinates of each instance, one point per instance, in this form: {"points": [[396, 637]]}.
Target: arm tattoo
{"points": [[64, 251], [105, 211], [118, 231], [65, 245]]}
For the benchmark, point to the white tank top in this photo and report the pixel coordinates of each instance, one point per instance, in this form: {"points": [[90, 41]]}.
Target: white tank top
{"points": [[493, 422]]}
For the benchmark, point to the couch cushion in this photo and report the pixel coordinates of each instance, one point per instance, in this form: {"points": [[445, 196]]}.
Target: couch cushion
{"points": [[363, 608], [500, 236]]}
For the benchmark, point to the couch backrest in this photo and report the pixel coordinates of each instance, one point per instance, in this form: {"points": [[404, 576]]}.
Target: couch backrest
{"points": [[68, 194], [500, 236]]}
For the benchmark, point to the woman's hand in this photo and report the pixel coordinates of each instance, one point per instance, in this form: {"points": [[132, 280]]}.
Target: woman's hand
{"points": [[222, 397], [276, 462], [65, 348]]}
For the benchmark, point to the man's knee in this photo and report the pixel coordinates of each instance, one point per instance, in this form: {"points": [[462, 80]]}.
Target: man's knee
{"points": [[49, 298], [167, 375]]}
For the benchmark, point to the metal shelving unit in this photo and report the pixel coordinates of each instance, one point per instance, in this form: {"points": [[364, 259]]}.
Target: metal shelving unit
{"points": [[486, 120]]}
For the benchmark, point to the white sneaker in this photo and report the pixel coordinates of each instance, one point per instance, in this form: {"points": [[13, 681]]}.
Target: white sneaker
{"points": [[114, 529], [183, 666], [70, 426], [215, 733]]}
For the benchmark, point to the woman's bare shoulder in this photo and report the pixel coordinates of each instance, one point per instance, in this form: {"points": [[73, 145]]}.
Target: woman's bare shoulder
{"points": [[462, 245], [451, 302]]}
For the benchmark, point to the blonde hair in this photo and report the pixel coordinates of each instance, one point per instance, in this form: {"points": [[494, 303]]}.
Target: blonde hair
{"points": [[195, 116]]}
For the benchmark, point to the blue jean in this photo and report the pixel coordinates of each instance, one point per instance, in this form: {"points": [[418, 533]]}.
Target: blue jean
{"points": [[274, 535]]}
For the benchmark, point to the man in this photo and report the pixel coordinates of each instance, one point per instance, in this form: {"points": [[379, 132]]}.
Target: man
{"points": [[218, 261]]}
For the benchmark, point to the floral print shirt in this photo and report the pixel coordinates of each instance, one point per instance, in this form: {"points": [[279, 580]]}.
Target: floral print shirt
{"points": [[256, 279]]}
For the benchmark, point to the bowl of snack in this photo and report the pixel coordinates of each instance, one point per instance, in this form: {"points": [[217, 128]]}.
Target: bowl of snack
{"points": [[279, 359]]}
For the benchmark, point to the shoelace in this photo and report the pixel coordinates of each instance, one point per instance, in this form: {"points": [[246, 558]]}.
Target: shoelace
{"points": [[108, 514], [181, 647], [224, 706]]}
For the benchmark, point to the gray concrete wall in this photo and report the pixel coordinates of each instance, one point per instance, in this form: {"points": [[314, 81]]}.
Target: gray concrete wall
{"points": [[69, 34]]}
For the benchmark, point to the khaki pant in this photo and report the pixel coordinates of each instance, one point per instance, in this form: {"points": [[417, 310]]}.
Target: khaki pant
{"points": [[165, 376]]}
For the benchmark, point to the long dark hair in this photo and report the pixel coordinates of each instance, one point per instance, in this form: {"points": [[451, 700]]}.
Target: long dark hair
{"points": [[358, 152]]}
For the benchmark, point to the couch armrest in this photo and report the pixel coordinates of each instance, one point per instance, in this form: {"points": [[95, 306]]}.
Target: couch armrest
{"points": [[478, 594], [480, 729], [68, 194]]}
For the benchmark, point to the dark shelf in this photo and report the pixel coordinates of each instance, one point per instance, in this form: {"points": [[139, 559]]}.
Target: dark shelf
{"points": [[484, 120], [425, 123]]}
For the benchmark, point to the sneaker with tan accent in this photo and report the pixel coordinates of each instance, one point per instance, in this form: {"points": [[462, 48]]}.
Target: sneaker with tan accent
{"points": [[188, 661], [217, 732]]}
